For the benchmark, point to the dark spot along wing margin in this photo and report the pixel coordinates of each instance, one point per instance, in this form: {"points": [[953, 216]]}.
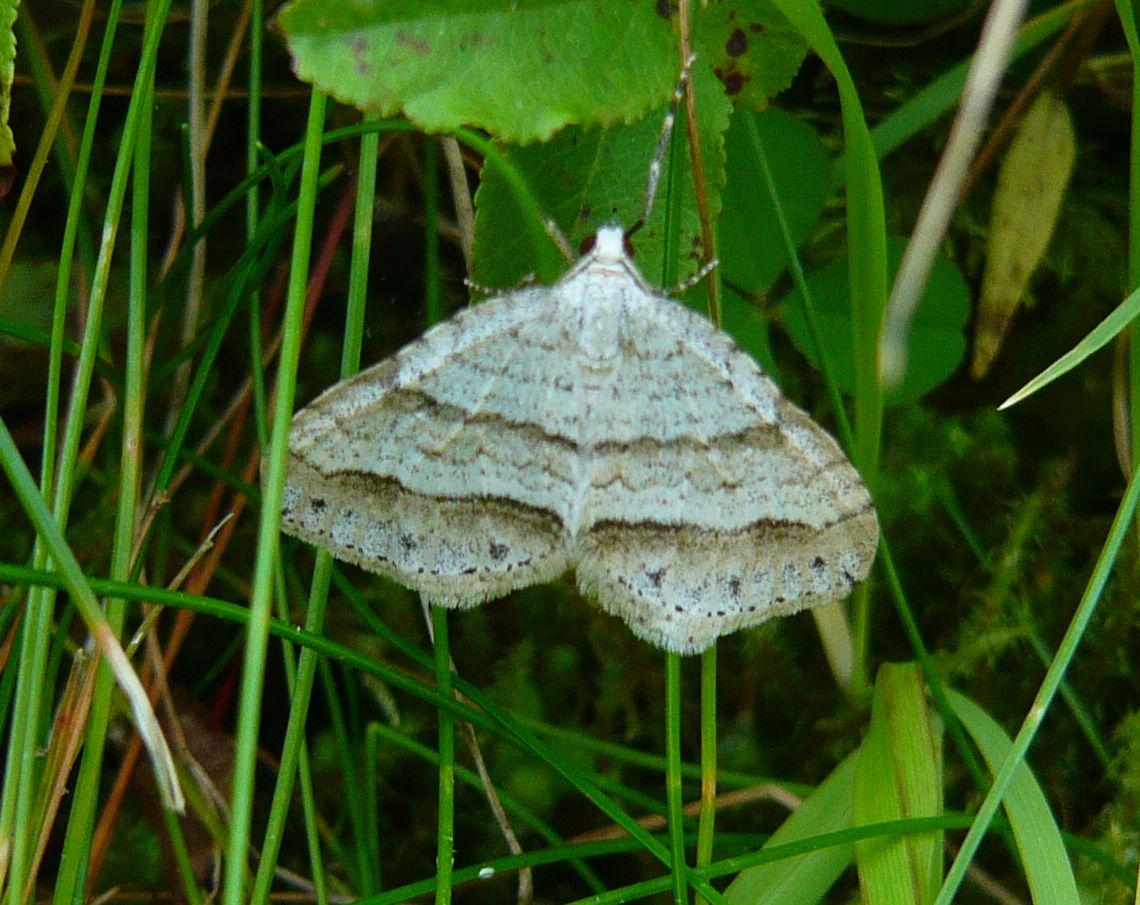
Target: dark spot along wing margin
{"points": [[457, 552]]}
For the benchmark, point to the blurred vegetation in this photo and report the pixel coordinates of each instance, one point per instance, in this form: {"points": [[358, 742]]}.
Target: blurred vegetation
{"points": [[995, 519]]}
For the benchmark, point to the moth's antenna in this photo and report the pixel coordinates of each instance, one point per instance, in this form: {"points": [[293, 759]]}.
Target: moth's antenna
{"points": [[559, 238], [662, 144]]}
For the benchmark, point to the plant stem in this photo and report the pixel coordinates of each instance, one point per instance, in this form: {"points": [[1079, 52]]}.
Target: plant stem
{"points": [[445, 843], [707, 822], [257, 636], [673, 791]]}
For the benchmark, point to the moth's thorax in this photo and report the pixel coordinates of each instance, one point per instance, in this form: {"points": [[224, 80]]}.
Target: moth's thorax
{"points": [[601, 292]]}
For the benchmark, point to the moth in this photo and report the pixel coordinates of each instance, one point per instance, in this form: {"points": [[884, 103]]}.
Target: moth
{"points": [[594, 425]]}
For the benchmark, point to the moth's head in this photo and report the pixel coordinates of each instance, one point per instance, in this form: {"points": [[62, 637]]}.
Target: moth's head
{"points": [[608, 245]]}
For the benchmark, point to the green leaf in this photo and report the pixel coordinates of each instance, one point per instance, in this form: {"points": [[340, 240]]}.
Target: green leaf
{"points": [[935, 347], [753, 249], [523, 69], [1031, 187], [7, 74], [899, 776], [1047, 867], [751, 47], [520, 70], [584, 178], [805, 878], [1102, 334]]}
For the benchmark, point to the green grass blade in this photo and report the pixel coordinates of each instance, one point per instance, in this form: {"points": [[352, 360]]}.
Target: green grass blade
{"points": [[85, 795], [1049, 685], [482, 712], [377, 733], [1101, 335], [806, 878], [293, 748], [76, 582], [867, 256], [1126, 10], [866, 232], [241, 813], [1047, 867]]}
